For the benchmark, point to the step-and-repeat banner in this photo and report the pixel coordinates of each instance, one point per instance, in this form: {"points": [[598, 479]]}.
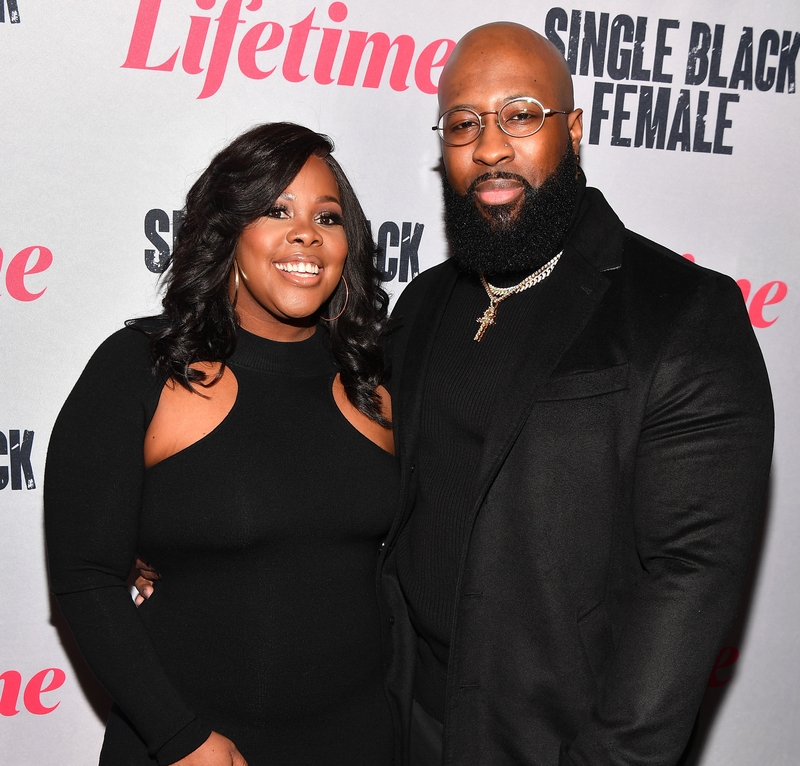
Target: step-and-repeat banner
{"points": [[109, 111]]}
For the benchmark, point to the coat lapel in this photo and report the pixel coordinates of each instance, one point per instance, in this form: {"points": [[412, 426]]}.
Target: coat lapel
{"points": [[566, 301], [412, 376], [416, 359]]}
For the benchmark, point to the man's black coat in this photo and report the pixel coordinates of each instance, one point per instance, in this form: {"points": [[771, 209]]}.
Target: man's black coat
{"points": [[621, 485]]}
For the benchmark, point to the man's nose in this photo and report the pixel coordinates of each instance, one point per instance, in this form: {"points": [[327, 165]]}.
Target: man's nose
{"points": [[492, 146]]}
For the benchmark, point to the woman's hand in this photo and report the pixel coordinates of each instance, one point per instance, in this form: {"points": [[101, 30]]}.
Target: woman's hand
{"points": [[144, 582], [215, 751]]}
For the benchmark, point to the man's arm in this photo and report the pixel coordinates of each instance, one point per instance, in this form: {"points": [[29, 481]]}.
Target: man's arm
{"points": [[701, 474]]}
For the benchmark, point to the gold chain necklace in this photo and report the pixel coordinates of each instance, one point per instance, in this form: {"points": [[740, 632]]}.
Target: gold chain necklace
{"points": [[498, 294]]}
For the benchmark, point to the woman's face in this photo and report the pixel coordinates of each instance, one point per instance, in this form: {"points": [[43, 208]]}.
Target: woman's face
{"points": [[290, 260]]}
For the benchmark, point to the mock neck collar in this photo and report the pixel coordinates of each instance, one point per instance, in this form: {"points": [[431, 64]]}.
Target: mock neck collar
{"points": [[304, 358]]}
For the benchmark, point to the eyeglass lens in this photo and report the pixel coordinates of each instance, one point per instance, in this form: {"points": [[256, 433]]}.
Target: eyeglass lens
{"points": [[520, 117]]}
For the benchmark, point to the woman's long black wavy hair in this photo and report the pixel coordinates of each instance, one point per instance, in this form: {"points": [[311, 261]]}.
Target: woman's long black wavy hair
{"points": [[240, 185]]}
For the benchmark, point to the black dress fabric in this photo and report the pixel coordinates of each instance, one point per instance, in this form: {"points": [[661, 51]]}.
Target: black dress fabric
{"points": [[265, 626]]}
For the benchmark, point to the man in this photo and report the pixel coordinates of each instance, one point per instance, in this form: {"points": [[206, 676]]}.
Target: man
{"points": [[585, 425]]}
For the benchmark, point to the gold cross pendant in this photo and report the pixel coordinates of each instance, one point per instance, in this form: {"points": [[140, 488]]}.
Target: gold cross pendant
{"points": [[486, 320]]}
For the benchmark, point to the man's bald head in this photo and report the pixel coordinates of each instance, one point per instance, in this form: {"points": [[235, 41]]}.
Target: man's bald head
{"points": [[512, 45]]}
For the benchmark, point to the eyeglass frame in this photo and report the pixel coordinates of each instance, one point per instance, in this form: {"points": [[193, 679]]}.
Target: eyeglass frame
{"points": [[480, 115]]}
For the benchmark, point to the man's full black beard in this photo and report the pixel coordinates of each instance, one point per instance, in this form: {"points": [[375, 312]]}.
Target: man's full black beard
{"points": [[508, 242]]}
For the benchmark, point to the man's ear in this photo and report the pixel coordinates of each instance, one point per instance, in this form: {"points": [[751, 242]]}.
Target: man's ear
{"points": [[575, 127]]}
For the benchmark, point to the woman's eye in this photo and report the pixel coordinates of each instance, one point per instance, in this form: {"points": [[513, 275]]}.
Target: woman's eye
{"points": [[278, 211], [330, 219]]}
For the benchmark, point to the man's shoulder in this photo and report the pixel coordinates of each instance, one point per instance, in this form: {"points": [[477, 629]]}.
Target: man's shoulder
{"points": [[658, 289], [414, 293], [658, 271], [640, 246], [612, 246], [647, 278], [603, 239]]}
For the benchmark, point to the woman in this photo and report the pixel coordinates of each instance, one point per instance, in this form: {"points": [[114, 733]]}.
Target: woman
{"points": [[242, 446]]}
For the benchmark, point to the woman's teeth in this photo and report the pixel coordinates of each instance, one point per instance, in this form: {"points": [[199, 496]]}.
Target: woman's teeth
{"points": [[298, 267]]}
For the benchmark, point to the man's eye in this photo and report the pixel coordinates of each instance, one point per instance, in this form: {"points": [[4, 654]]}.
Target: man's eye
{"points": [[462, 126], [524, 117]]}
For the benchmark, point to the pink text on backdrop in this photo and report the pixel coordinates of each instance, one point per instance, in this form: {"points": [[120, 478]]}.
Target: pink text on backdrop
{"points": [[767, 295], [261, 37], [723, 666], [20, 267], [43, 682]]}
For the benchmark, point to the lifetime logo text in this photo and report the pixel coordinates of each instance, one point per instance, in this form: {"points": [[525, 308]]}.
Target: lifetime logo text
{"points": [[267, 47], [23, 265], [47, 680]]}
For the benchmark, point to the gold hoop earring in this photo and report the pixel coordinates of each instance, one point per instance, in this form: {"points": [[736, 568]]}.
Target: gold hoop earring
{"points": [[346, 298], [235, 284]]}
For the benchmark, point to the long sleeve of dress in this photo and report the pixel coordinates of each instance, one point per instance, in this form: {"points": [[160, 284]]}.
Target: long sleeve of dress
{"points": [[92, 498]]}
